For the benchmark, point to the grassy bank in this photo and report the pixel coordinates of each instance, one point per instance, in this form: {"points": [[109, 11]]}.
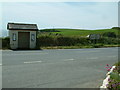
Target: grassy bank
{"points": [[78, 47]]}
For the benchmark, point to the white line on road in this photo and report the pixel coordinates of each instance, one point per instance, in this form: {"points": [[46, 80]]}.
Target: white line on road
{"points": [[0, 64], [33, 62], [69, 59]]}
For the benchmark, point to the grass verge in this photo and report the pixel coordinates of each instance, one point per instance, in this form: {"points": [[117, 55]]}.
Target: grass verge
{"points": [[78, 47]]}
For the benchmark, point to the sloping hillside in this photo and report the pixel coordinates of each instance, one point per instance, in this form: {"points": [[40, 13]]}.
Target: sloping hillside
{"points": [[76, 32]]}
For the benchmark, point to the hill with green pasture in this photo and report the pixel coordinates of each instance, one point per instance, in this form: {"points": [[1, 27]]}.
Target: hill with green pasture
{"points": [[77, 32]]}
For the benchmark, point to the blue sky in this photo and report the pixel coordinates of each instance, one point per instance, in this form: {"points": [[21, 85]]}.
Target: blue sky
{"points": [[83, 15]]}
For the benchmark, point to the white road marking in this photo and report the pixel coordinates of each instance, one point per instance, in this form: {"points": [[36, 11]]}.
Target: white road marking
{"points": [[69, 59], [33, 62], [0, 64]]}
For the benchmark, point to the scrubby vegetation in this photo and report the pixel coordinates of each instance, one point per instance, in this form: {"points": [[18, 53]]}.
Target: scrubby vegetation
{"points": [[73, 38], [110, 34], [74, 41], [114, 80], [6, 43], [76, 37]]}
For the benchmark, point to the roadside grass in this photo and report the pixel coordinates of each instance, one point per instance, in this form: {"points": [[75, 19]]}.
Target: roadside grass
{"points": [[117, 64], [65, 47], [78, 46]]}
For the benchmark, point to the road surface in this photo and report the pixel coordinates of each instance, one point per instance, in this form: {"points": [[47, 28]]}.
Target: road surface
{"points": [[61, 68]]}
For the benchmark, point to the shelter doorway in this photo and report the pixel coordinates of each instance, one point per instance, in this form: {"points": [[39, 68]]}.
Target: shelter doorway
{"points": [[23, 40]]}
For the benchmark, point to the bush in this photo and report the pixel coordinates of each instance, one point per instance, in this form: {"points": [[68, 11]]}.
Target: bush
{"points": [[118, 28], [109, 34], [65, 41], [50, 40], [61, 41], [6, 42], [45, 41]]}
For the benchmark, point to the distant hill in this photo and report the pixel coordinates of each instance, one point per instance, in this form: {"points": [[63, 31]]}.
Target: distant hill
{"points": [[78, 32], [116, 28], [49, 30]]}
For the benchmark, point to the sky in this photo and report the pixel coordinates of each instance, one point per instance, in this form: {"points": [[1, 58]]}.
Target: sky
{"points": [[82, 15]]}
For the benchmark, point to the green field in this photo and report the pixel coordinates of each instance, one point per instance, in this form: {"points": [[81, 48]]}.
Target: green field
{"points": [[77, 32]]}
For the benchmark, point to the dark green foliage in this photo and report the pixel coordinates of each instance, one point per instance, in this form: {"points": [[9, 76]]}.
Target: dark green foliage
{"points": [[6, 42], [118, 66], [117, 28], [109, 34], [61, 41], [45, 41], [73, 41], [118, 36], [108, 40], [65, 41]]}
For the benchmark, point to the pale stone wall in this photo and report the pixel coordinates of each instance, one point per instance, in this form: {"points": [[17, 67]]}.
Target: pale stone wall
{"points": [[13, 44], [32, 43]]}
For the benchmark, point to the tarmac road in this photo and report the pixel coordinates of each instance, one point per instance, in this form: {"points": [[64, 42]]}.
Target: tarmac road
{"points": [[61, 68]]}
